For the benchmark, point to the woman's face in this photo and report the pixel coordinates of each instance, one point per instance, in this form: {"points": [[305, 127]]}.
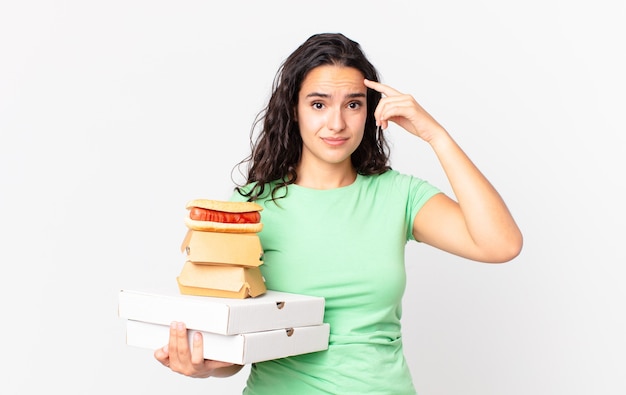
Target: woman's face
{"points": [[331, 113]]}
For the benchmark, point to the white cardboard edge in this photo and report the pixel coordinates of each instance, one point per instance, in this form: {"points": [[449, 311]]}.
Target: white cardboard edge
{"points": [[273, 310], [238, 349]]}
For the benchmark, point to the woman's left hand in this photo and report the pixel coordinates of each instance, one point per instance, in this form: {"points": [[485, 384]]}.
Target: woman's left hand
{"points": [[403, 110]]}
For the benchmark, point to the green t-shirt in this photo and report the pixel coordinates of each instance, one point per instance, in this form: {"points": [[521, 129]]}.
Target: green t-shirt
{"points": [[346, 245]]}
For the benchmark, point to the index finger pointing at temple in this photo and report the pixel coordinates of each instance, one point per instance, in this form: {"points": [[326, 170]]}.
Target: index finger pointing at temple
{"points": [[382, 88]]}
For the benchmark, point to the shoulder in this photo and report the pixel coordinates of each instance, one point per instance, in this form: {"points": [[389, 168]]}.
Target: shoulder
{"points": [[392, 178], [400, 187], [263, 192]]}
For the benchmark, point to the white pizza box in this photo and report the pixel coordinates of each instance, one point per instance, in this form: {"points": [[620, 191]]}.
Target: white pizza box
{"points": [[238, 349], [226, 316]]}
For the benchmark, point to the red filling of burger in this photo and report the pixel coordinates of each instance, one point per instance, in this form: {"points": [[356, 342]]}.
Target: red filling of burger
{"points": [[204, 214]]}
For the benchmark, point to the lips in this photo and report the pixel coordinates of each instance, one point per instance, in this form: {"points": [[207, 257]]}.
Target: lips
{"points": [[334, 141]]}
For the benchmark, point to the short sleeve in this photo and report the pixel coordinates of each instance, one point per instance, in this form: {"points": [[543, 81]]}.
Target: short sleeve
{"points": [[419, 192]]}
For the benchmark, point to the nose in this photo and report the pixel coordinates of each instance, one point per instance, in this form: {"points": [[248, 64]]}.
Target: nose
{"points": [[335, 121]]}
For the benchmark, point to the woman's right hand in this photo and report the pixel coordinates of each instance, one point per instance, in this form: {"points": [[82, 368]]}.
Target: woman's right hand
{"points": [[178, 356]]}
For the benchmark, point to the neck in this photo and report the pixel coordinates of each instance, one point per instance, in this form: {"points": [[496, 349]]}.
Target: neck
{"points": [[327, 177]]}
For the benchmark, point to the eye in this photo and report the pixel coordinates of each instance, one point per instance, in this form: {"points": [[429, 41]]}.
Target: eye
{"points": [[317, 105], [355, 105]]}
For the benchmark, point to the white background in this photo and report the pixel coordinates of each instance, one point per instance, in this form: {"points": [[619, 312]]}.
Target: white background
{"points": [[114, 114]]}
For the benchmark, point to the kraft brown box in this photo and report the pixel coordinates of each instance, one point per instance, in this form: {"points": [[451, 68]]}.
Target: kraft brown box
{"points": [[224, 281], [242, 249]]}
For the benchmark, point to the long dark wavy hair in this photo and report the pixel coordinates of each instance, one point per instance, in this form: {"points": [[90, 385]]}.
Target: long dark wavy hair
{"points": [[277, 149]]}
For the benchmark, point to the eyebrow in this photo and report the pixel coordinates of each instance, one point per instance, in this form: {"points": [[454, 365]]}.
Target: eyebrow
{"points": [[326, 95]]}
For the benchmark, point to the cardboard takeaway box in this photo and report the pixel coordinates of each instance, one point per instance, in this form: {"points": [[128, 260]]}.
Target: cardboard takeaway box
{"points": [[226, 316], [222, 265], [241, 249], [273, 325], [239, 349], [223, 281]]}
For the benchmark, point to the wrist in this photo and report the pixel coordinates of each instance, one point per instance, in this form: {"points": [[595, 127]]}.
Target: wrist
{"points": [[438, 138]]}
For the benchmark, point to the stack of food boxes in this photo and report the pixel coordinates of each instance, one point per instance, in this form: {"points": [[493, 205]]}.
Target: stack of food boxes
{"points": [[222, 264], [273, 325], [221, 293], [223, 258]]}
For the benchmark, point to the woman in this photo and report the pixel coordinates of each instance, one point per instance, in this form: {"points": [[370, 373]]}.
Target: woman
{"points": [[337, 217]]}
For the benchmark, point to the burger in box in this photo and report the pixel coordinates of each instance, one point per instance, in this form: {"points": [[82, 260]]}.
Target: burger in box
{"points": [[223, 250]]}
